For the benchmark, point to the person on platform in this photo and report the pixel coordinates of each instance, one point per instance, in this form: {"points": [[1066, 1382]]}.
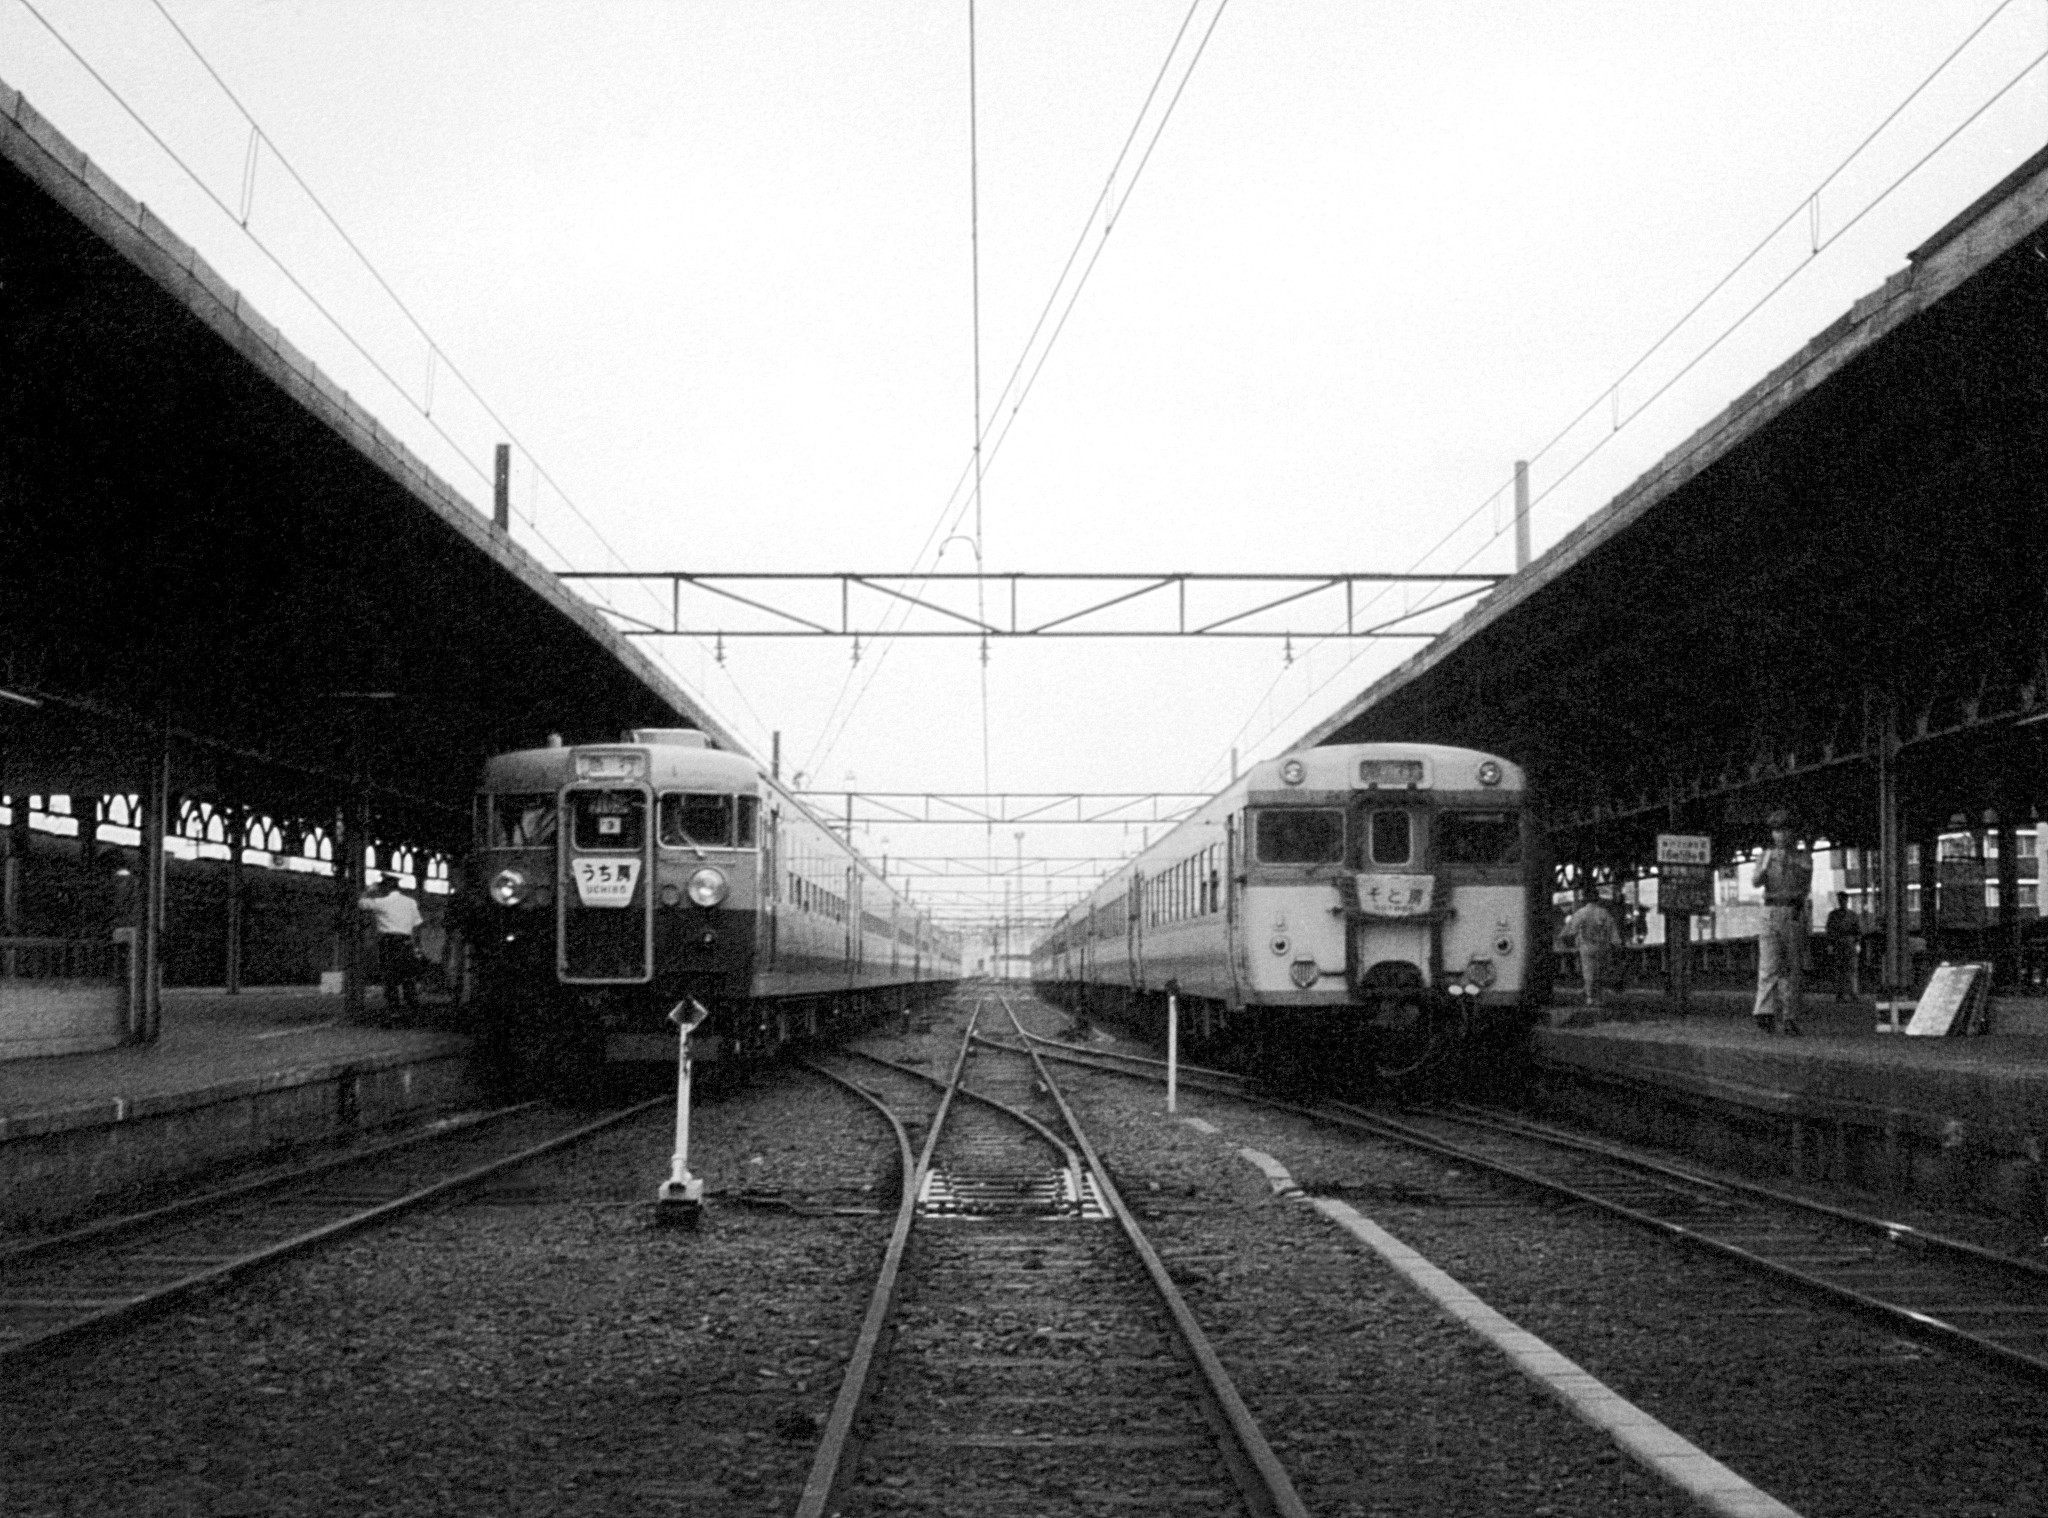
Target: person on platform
{"points": [[1786, 875], [398, 925], [1845, 938], [1592, 931]]}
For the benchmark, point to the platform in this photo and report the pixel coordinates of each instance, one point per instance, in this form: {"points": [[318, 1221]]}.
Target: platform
{"points": [[1950, 1122], [234, 1080]]}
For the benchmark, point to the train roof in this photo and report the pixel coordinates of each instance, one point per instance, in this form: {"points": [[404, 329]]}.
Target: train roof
{"points": [[1395, 766]]}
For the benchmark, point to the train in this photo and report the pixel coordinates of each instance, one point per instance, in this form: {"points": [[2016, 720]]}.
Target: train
{"points": [[1359, 913], [616, 889]]}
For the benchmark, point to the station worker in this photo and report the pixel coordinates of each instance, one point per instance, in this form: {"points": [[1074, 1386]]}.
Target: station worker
{"points": [[1786, 875], [398, 925], [1845, 939], [1592, 930]]}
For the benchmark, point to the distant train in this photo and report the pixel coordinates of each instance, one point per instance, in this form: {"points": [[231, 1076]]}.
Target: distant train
{"points": [[1355, 908], [615, 882]]}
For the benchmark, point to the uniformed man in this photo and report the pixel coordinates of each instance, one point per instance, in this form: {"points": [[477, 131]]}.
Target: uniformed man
{"points": [[1591, 930], [398, 925], [1786, 874]]}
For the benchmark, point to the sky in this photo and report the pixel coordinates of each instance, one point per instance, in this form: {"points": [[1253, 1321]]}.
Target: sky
{"points": [[712, 268]]}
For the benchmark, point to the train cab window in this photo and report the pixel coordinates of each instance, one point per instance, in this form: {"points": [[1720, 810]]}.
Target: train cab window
{"points": [[521, 822], [1393, 838], [747, 810], [608, 819], [1299, 835], [1478, 837], [704, 821]]}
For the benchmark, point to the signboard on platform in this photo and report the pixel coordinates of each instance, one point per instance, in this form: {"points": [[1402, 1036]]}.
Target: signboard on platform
{"points": [[1685, 848], [1957, 999]]}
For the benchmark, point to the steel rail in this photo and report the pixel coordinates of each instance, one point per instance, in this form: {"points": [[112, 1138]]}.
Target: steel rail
{"points": [[1907, 1234], [823, 1480], [1261, 1478], [1025, 1119], [129, 1222], [133, 1309], [1895, 1315]]}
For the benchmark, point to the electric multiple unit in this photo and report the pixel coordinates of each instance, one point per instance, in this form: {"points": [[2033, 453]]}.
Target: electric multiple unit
{"points": [[1372, 901], [616, 882]]}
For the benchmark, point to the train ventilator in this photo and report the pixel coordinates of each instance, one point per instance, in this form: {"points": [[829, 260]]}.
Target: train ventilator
{"points": [[1362, 906]]}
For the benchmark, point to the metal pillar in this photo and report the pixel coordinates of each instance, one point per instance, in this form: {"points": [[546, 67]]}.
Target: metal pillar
{"points": [[147, 1025], [1891, 868], [1929, 846], [351, 838], [237, 824], [1521, 514], [2007, 957]]}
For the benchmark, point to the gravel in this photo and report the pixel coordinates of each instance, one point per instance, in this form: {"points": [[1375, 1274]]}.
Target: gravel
{"points": [[1828, 1414], [540, 1350]]}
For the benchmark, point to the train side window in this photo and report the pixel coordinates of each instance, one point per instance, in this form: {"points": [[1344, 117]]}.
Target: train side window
{"points": [[1479, 837], [1393, 838], [703, 820], [521, 822], [1299, 835], [608, 819]]}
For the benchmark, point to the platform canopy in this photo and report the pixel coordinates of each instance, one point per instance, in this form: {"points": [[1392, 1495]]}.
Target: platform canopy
{"points": [[1849, 562], [203, 540]]}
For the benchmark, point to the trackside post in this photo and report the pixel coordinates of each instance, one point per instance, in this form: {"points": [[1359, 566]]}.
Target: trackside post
{"points": [[680, 1199], [1172, 1043]]}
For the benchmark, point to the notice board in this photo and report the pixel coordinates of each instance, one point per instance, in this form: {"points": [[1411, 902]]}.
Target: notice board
{"points": [[1957, 998]]}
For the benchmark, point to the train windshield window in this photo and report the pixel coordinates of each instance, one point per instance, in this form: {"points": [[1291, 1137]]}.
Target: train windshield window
{"points": [[749, 807], [609, 819], [1300, 835], [1393, 838], [522, 822], [690, 818], [1478, 838]]}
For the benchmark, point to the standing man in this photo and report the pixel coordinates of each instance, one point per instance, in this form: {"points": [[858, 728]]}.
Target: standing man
{"points": [[1845, 936], [1591, 928], [1786, 874], [398, 925]]}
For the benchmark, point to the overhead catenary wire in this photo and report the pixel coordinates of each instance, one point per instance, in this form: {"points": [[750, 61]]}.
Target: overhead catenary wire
{"points": [[1109, 205], [1603, 396]]}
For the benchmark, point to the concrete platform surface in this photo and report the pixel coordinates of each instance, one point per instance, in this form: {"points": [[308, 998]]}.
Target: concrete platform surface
{"points": [[213, 1045], [1960, 1121], [234, 1080]]}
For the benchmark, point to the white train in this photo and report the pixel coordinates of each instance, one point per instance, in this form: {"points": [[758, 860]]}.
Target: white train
{"points": [[612, 882], [1356, 906]]}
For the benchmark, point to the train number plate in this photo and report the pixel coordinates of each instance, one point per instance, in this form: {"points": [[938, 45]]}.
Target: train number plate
{"points": [[605, 882]]}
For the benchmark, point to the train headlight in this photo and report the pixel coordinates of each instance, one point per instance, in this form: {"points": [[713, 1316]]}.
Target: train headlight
{"points": [[1489, 773], [671, 895], [1303, 973], [707, 886], [1293, 771], [510, 887]]}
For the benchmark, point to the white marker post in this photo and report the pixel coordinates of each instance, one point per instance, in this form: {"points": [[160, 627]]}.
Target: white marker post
{"points": [[1172, 1043], [680, 1201]]}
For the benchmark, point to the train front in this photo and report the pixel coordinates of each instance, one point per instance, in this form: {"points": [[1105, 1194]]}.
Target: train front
{"points": [[618, 879], [1388, 898]]}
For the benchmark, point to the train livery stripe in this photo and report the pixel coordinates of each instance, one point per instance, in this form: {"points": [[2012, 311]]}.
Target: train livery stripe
{"points": [[1666, 1453]]}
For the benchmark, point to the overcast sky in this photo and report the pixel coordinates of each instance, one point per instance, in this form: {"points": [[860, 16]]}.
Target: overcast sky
{"points": [[710, 265]]}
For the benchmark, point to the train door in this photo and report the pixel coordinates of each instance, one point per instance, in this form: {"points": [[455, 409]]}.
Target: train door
{"points": [[1233, 913], [771, 882], [855, 939], [1134, 942], [604, 900]]}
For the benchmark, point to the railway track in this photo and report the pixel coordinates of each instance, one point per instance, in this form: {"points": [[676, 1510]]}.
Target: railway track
{"points": [[1921, 1284], [63, 1290], [1038, 1355]]}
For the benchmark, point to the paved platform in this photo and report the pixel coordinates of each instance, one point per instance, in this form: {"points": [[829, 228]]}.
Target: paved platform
{"points": [[1959, 1122], [233, 1080]]}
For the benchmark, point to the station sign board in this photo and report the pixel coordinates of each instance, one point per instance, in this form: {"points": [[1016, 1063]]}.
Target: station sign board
{"points": [[1685, 875], [1685, 848]]}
